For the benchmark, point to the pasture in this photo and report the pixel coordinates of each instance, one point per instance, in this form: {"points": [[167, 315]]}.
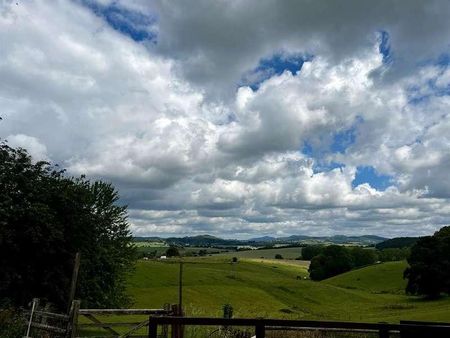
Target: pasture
{"points": [[273, 289], [287, 253]]}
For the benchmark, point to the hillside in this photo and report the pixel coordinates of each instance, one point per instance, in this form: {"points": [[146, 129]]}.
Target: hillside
{"points": [[380, 278], [397, 243], [208, 240], [272, 289]]}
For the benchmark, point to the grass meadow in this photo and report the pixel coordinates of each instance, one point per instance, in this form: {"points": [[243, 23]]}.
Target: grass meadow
{"points": [[277, 289]]}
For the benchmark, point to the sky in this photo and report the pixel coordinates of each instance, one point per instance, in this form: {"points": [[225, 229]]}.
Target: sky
{"points": [[239, 118]]}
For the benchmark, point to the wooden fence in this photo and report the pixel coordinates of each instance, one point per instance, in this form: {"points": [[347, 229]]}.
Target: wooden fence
{"points": [[111, 328], [384, 330], [41, 321]]}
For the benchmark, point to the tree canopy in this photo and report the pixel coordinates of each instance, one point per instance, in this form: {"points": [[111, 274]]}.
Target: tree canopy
{"points": [[429, 265], [45, 218], [335, 259]]}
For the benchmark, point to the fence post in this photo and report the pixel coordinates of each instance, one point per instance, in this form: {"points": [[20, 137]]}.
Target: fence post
{"points": [[165, 327], [73, 320], [73, 282], [260, 331], [152, 329], [384, 333]]}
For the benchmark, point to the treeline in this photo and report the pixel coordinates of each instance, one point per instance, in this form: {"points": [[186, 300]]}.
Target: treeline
{"points": [[46, 217], [398, 242], [328, 261]]}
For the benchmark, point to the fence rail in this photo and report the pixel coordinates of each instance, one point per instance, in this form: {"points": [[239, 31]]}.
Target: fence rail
{"points": [[413, 330], [111, 327]]}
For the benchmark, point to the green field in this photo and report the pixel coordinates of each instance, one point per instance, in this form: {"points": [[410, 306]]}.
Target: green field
{"points": [[258, 287], [145, 247], [287, 253], [272, 289]]}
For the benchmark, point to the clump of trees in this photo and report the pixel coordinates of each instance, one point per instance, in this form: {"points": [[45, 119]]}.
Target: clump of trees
{"points": [[429, 265], [328, 261], [172, 252], [334, 259], [47, 217], [310, 251]]}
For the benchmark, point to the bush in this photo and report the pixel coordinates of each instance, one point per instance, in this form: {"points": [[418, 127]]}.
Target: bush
{"points": [[11, 324], [278, 256]]}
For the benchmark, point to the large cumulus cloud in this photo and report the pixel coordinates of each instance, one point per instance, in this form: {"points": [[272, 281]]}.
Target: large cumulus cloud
{"points": [[192, 151]]}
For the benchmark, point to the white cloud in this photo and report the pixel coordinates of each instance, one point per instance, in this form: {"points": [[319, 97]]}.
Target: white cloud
{"points": [[191, 153], [36, 149]]}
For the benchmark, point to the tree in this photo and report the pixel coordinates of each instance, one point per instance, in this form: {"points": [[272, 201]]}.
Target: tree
{"points": [[308, 252], [172, 252], [429, 265], [393, 254], [332, 261], [45, 218], [362, 257]]}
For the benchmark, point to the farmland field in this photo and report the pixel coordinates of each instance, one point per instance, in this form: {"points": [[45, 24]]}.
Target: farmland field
{"points": [[273, 289], [276, 288], [287, 253]]}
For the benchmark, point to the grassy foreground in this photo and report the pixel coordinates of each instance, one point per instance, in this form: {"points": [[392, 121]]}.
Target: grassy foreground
{"points": [[268, 288]]}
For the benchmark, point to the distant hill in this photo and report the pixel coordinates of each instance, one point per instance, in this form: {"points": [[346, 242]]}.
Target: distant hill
{"points": [[263, 239], [337, 239], [397, 242], [208, 240]]}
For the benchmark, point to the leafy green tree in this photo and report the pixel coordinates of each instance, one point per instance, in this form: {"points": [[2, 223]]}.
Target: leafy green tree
{"points": [[45, 218], [332, 261], [429, 265]]}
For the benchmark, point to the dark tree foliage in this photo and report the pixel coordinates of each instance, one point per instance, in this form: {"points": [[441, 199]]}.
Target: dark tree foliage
{"points": [[333, 260], [172, 252], [429, 265], [397, 243], [362, 257], [45, 218], [308, 252], [278, 256], [393, 254]]}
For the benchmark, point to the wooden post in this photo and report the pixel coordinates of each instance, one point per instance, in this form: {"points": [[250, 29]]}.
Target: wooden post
{"points": [[174, 328], [165, 327], [152, 330], [74, 318], [73, 283], [260, 331], [34, 307], [384, 333], [180, 287]]}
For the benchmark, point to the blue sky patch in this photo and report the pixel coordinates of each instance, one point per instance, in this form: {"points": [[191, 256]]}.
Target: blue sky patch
{"points": [[368, 174], [133, 24], [385, 47], [272, 66], [343, 139], [324, 167]]}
